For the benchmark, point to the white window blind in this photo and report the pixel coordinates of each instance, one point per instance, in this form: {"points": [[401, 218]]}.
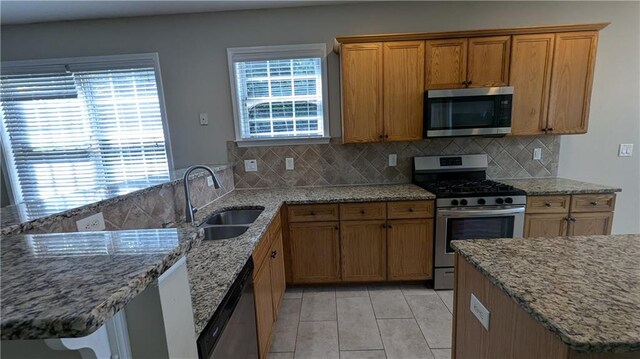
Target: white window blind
{"points": [[82, 133], [279, 92]]}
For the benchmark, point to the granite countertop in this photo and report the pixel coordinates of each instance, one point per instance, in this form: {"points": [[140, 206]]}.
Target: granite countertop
{"points": [[584, 289], [214, 265], [557, 185], [70, 284]]}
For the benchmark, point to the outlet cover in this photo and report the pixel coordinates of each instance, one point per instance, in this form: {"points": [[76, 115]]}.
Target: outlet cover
{"points": [[288, 163], [480, 312], [204, 119], [537, 153], [625, 150], [92, 223], [393, 160], [250, 165]]}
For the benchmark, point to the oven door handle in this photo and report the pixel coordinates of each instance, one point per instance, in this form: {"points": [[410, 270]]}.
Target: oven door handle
{"points": [[479, 212]]}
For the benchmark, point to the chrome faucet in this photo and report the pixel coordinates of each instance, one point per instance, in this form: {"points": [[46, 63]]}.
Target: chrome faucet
{"points": [[190, 209]]}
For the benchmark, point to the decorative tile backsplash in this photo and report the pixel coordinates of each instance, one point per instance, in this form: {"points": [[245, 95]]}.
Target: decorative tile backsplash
{"points": [[338, 164], [153, 207]]}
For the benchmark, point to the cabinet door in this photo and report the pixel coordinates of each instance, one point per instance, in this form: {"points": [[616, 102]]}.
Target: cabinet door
{"points": [[571, 79], [361, 92], [410, 249], [264, 306], [545, 225], [276, 263], [588, 224], [403, 92], [488, 61], [363, 247], [315, 253], [446, 66], [530, 76]]}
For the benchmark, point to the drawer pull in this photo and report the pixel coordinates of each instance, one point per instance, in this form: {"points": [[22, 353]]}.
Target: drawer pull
{"points": [[389, 226], [594, 203], [547, 204], [312, 213], [410, 209], [572, 219], [384, 225], [362, 211], [274, 254]]}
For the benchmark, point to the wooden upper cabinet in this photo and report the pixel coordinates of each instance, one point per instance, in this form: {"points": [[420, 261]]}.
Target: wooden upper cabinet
{"points": [[446, 64], [571, 79], [362, 92], [530, 76], [403, 91], [488, 61], [363, 248]]}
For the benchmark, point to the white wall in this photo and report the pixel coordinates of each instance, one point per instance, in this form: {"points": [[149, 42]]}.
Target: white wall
{"points": [[192, 52]]}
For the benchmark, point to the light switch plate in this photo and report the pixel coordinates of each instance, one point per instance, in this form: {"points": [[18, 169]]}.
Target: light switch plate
{"points": [[393, 160], [204, 119], [250, 165], [625, 150], [288, 163], [537, 153], [92, 223], [480, 312]]}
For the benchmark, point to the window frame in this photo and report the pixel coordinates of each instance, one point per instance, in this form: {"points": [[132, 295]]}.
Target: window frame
{"points": [[280, 52], [84, 63]]}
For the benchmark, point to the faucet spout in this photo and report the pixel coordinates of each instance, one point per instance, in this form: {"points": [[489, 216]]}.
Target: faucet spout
{"points": [[190, 210]]}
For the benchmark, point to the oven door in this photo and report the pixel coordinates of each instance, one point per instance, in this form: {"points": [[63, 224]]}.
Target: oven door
{"points": [[474, 223], [467, 112]]}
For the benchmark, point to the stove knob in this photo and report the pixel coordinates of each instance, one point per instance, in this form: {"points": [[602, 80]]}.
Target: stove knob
{"points": [[508, 200], [499, 200], [454, 202], [463, 202], [481, 201]]}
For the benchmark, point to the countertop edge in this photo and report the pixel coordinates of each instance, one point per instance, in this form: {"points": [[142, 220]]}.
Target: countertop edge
{"points": [[609, 347]]}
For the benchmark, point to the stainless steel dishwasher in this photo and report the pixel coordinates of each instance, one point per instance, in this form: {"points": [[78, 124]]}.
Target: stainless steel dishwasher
{"points": [[231, 332]]}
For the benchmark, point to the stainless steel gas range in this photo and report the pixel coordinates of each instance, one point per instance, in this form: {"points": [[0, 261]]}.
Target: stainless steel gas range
{"points": [[468, 206]]}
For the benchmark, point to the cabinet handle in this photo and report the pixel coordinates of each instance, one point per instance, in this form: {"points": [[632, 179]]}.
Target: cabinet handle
{"points": [[594, 203], [468, 83], [572, 219], [547, 204], [274, 254], [337, 228], [550, 129], [464, 83], [381, 136], [312, 213], [389, 226], [362, 211], [386, 136], [384, 225], [410, 209]]}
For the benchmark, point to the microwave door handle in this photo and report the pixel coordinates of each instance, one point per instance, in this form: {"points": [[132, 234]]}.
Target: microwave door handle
{"points": [[479, 212]]}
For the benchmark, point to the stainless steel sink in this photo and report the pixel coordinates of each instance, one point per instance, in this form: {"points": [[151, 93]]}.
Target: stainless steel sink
{"points": [[212, 233], [234, 216]]}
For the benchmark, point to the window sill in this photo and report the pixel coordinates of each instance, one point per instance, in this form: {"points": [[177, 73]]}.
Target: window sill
{"points": [[283, 141]]}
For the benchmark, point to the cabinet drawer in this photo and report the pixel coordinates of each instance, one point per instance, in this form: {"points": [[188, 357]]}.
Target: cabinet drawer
{"points": [[410, 209], [313, 213], [548, 204], [358, 211], [261, 250], [593, 202]]}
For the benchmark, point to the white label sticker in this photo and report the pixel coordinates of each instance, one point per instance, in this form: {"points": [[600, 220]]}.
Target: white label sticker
{"points": [[480, 312]]}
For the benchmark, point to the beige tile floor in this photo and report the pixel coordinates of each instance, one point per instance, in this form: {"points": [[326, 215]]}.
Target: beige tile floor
{"points": [[406, 321]]}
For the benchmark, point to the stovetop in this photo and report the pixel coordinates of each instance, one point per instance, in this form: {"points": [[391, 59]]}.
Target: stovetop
{"points": [[450, 188]]}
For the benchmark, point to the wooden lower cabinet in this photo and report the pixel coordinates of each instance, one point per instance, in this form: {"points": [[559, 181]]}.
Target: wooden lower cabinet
{"points": [[363, 250], [587, 224], [265, 318], [410, 249], [545, 225], [314, 250], [276, 267]]}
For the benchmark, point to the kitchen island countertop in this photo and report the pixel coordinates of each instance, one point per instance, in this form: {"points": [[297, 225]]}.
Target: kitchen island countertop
{"points": [[584, 289]]}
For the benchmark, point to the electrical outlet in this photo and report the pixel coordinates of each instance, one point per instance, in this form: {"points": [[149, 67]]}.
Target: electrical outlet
{"points": [[209, 181], [92, 223], [625, 150], [393, 160], [204, 119], [480, 312], [288, 163], [250, 165], [537, 153]]}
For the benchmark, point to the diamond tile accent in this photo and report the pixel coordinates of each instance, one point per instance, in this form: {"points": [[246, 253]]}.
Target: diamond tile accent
{"points": [[338, 164]]}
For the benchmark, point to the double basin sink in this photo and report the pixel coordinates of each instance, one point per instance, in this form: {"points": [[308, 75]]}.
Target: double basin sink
{"points": [[229, 223]]}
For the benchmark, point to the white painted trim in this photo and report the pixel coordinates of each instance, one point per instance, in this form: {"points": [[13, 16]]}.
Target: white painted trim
{"points": [[93, 346], [118, 335], [257, 53], [163, 112]]}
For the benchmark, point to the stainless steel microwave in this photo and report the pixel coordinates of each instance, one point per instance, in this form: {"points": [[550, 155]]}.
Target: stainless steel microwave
{"points": [[468, 112]]}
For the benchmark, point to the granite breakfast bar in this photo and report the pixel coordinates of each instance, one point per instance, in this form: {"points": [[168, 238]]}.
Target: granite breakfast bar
{"points": [[565, 297]]}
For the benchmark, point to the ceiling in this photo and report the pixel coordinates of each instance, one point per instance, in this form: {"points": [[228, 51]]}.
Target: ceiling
{"points": [[27, 11]]}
